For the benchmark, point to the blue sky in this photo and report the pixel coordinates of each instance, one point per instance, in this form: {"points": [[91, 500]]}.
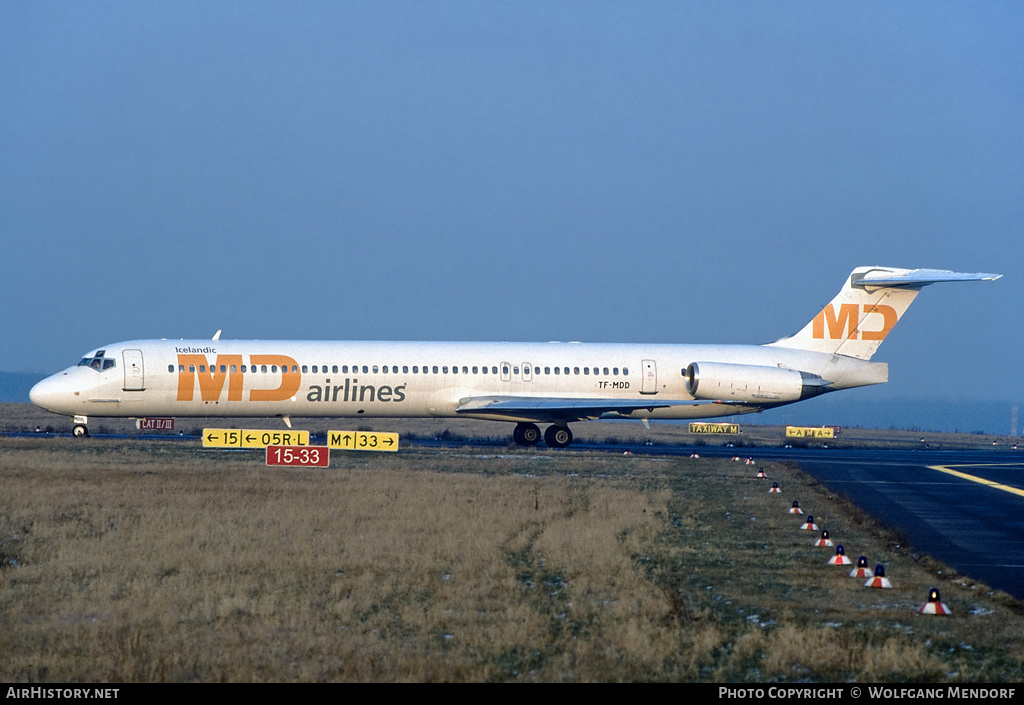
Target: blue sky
{"points": [[595, 171]]}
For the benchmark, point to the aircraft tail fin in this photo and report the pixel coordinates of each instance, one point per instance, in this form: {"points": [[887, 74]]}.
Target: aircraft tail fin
{"points": [[871, 302]]}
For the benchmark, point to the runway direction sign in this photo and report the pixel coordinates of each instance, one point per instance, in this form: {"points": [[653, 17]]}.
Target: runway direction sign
{"points": [[252, 438], [305, 456], [362, 440]]}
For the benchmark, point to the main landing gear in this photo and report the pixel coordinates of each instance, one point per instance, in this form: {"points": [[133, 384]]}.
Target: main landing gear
{"points": [[556, 436]]}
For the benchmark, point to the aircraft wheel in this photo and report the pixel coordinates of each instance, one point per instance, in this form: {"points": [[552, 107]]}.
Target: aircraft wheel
{"points": [[80, 431], [526, 434], [558, 436]]}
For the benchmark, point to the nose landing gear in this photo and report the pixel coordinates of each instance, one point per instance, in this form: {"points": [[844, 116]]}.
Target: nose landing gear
{"points": [[80, 430]]}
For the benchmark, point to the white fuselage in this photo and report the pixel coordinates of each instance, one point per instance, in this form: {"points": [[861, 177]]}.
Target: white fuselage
{"points": [[406, 379]]}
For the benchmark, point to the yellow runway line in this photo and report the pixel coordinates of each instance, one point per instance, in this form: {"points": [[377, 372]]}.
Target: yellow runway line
{"points": [[980, 480]]}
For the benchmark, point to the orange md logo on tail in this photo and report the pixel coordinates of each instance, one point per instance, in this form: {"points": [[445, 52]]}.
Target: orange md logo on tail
{"points": [[846, 324]]}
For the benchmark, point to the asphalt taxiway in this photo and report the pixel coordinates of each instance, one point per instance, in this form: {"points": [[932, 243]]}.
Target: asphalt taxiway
{"points": [[962, 507]]}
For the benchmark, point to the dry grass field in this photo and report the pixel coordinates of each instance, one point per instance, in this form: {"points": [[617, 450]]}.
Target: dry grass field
{"points": [[127, 560]]}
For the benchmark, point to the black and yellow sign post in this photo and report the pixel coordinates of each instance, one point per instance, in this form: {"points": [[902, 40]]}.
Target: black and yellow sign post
{"points": [[252, 438], [362, 440], [728, 429]]}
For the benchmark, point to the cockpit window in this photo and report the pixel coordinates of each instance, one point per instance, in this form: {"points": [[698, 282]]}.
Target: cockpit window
{"points": [[98, 361]]}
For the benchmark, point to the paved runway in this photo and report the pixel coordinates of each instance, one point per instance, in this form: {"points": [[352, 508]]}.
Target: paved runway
{"points": [[976, 528], [947, 513]]}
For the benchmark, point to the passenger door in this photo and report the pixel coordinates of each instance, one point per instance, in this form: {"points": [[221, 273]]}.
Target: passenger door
{"points": [[649, 372], [134, 374]]}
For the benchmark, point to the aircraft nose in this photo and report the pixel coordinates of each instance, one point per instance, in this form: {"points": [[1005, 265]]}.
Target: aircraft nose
{"points": [[49, 392]]}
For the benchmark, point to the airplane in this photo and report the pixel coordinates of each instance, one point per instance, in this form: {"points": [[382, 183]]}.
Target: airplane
{"points": [[525, 383]]}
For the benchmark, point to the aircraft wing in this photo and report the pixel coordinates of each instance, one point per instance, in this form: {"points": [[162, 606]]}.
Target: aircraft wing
{"points": [[567, 409]]}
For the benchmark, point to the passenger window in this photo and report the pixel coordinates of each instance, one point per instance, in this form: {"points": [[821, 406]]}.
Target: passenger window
{"points": [[615, 371], [475, 369], [625, 371], [170, 368], [606, 370], [405, 369]]}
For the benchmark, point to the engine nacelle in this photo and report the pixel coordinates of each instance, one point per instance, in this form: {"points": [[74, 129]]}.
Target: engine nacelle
{"points": [[756, 384]]}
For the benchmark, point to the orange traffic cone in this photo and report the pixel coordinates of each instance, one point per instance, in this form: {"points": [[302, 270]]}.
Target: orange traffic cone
{"points": [[795, 509], [809, 525], [775, 487]]}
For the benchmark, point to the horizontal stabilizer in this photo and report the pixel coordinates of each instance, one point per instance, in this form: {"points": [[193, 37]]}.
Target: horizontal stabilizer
{"points": [[918, 277]]}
